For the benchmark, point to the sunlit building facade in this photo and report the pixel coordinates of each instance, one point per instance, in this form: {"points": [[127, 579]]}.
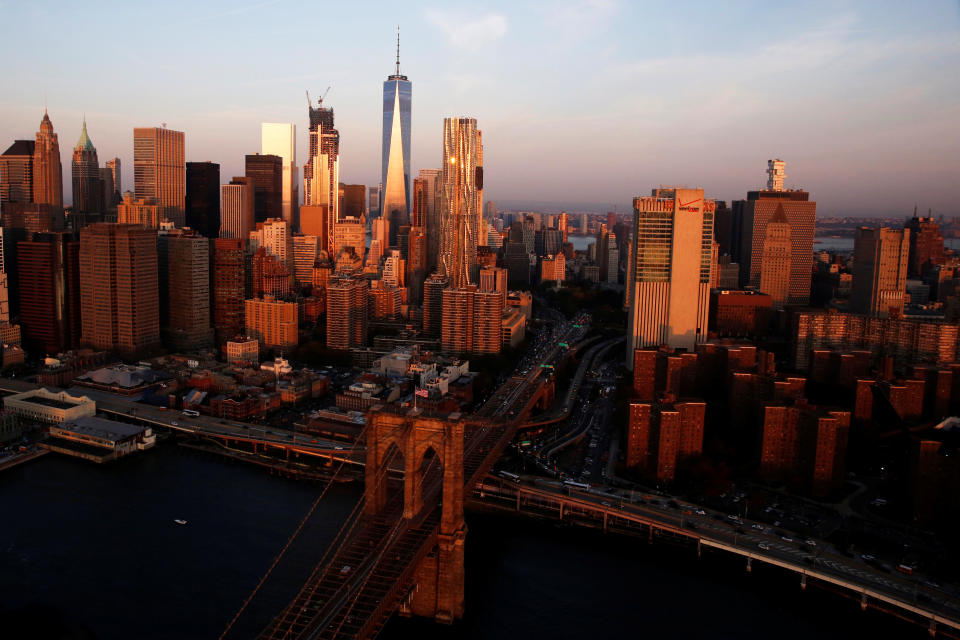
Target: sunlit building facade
{"points": [[395, 157], [159, 169], [280, 139], [461, 197]]}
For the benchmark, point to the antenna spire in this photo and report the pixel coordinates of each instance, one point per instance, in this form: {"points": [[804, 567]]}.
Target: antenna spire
{"points": [[398, 49]]}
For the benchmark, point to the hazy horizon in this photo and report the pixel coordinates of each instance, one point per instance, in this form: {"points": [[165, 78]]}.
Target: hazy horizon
{"points": [[579, 102]]}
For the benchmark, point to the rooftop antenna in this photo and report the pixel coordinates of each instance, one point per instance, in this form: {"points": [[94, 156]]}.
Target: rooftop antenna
{"points": [[309, 104], [398, 49]]}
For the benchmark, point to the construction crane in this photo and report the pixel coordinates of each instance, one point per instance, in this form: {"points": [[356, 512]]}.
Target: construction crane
{"points": [[320, 101]]}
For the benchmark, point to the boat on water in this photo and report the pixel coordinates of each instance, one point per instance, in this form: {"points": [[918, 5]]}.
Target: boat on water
{"points": [[179, 521]]}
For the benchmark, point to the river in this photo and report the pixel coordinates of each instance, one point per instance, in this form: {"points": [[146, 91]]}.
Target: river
{"points": [[94, 550]]}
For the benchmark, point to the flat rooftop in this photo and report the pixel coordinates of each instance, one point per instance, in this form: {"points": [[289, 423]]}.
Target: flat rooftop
{"points": [[102, 428], [50, 402]]}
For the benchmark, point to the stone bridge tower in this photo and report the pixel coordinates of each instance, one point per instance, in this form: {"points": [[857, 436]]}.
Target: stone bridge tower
{"points": [[423, 441]]}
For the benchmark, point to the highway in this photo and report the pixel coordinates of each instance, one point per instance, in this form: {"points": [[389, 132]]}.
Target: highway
{"points": [[626, 510]]}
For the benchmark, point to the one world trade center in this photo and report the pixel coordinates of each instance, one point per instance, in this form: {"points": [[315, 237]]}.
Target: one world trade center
{"points": [[395, 193]]}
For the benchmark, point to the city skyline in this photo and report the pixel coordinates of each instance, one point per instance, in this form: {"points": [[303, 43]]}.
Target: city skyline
{"points": [[851, 139]]}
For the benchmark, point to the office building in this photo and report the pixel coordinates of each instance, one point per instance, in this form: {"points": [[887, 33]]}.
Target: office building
{"points": [[353, 200], [926, 244], [114, 166], [49, 279], [461, 185], [119, 303], [280, 139], [416, 263], [159, 170], [236, 209], [266, 175], [272, 322], [306, 250], [553, 269], [775, 260], [108, 193], [202, 200], [188, 269], [350, 233], [880, 261], [753, 215], [313, 222], [395, 154], [228, 287], [88, 205], [143, 212], [670, 282], [16, 177], [429, 211], [346, 312], [321, 173], [269, 276], [47, 170]]}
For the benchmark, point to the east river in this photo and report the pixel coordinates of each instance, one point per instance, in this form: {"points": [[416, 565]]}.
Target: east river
{"points": [[94, 552]]}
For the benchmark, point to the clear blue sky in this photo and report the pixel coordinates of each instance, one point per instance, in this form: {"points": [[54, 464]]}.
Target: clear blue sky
{"points": [[593, 101]]}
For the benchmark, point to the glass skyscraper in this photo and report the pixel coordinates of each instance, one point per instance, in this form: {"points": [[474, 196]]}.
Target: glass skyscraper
{"points": [[395, 194]]}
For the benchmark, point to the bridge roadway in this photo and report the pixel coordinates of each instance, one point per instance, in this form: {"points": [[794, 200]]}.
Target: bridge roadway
{"points": [[127, 409], [369, 570], [651, 516]]}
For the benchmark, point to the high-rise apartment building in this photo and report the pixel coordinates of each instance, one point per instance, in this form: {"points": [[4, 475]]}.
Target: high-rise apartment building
{"points": [[188, 279], [266, 175], [461, 198], [395, 155], [880, 260], [228, 288], [88, 194], [776, 174], [346, 312], [926, 244], [280, 139], [49, 275], [236, 208], [670, 282], [202, 199], [321, 173], [775, 261], [272, 322], [753, 215], [350, 232], [119, 290], [433, 290], [306, 250], [662, 434], [274, 235], [269, 276], [47, 170], [159, 169], [472, 320], [416, 262]]}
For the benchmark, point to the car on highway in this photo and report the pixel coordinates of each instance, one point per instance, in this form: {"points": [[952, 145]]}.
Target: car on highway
{"points": [[764, 546]]}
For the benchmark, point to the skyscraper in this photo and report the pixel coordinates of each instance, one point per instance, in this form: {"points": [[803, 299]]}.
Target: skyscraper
{"points": [[266, 175], [395, 159], [673, 247], [274, 236], [775, 262], [353, 200], [118, 291], [16, 175], [280, 139], [202, 199], [236, 208], [776, 174], [926, 244], [752, 215], [346, 312], [461, 197], [321, 173], [188, 269], [429, 205], [47, 170], [85, 172], [159, 169], [114, 167], [433, 290], [228, 288], [880, 259], [49, 276]]}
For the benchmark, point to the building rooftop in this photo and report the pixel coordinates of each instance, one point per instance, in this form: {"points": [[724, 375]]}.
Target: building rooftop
{"points": [[49, 402], [102, 428], [21, 148]]}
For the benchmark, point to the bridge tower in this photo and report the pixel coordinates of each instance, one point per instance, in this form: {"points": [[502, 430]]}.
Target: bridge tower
{"points": [[439, 578]]}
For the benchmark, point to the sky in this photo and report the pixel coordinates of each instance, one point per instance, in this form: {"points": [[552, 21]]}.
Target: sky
{"points": [[581, 103]]}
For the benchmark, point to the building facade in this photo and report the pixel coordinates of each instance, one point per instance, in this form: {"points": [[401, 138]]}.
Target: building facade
{"points": [[395, 150], [202, 200], [461, 212], [880, 262], [280, 139], [159, 169]]}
